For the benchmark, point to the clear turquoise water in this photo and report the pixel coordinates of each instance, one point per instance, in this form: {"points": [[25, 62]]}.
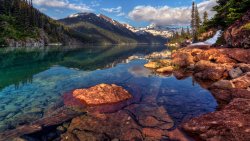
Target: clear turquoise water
{"points": [[33, 81]]}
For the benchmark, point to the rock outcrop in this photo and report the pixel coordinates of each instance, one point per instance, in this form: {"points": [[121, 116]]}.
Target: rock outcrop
{"points": [[237, 35], [213, 63], [102, 94], [227, 71], [229, 124]]}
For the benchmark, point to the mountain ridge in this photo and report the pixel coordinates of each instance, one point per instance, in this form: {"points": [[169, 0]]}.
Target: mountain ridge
{"points": [[100, 24]]}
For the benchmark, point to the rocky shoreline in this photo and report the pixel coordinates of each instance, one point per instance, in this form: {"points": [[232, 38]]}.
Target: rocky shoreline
{"points": [[225, 72]]}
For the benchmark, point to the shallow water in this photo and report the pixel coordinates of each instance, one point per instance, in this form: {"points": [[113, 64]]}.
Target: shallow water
{"points": [[33, 81]]}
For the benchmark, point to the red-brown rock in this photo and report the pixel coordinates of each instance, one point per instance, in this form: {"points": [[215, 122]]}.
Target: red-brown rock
{"points": [[102, 94], [224, 96], [242, 82], [230, 124], [238, 54], [211, 71], [182, 59], [103, 126], [244, 67], [236, 35]]}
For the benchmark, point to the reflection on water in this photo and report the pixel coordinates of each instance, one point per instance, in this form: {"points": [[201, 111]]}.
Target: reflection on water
{"points": [[19, 65], [31, 88]]}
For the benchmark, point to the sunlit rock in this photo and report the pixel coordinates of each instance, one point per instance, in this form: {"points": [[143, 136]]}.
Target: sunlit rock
{"points": [[165, 69], [152, 65], [223, 84], [102, 94], [242, 82]]}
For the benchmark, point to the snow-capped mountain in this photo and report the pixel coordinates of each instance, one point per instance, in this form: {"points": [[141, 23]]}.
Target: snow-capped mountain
{"points": [[107, 29], [152, 29]]}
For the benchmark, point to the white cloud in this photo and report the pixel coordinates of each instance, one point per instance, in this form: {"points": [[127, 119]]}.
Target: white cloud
{"points": [[113, 10], [169, 15], [118, 11], [63, 4], [121, 14]]}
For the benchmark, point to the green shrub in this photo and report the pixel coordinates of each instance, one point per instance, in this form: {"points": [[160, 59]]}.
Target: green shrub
{"points": [[246, 26]]}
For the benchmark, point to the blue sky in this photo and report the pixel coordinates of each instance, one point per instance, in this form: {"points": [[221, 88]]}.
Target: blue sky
{"points": [[135, 12]]}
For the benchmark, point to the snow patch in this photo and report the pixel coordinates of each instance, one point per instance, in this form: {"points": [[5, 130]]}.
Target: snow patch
{"points": [[73, 15], [210, 41]]}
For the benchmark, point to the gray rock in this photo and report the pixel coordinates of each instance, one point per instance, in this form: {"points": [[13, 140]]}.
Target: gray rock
{"points": [[234, 73], [223, 84]]}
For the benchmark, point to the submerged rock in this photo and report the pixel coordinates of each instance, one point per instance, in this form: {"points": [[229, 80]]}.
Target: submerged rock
{"points": [[102, 94]]}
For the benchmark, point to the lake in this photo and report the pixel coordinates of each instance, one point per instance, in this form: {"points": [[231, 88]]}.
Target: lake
{"points": [[33, 80]]}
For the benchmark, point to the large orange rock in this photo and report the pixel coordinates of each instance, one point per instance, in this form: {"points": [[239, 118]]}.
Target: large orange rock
{"points": [[207, 70], [182, 59], [102, 94], [213, 55], [230, 124]]}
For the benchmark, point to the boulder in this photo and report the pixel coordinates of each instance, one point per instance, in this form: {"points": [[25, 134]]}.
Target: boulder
{"points": [[182, 59], [234, 73], [242, 82], [152, 65], [238, 54], [230, 124], [165, 69], [244, 67], [102, 94], [223, 84], [165, 62], [224, 96], [207, 70]]}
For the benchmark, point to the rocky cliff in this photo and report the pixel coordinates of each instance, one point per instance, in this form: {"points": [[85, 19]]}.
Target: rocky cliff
{"points": [[238, 34]]}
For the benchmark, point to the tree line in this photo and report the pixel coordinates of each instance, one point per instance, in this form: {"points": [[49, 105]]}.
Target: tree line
{"points": [[19, 19]]}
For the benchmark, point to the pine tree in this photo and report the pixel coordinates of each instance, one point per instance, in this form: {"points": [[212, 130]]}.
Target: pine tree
{"points": [[197, 19], [182, 32], [205, 17], [193, 17], [188, 32], [2, 7]]}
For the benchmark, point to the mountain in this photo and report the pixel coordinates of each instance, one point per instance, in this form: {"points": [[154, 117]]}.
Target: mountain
{"points": [[154, 30], [23, 25], [106, 30]]}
